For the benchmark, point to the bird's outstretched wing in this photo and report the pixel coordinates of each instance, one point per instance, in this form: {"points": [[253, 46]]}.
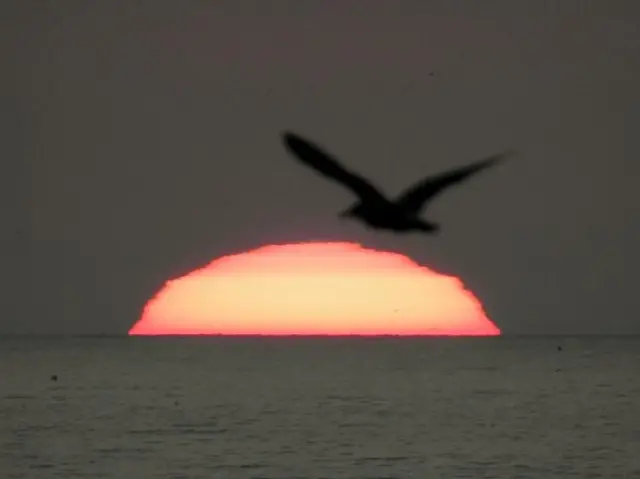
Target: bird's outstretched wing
{"points": [[416, 196], [313, 156]]}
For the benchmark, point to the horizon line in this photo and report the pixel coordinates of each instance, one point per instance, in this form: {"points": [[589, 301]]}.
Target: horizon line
{"points": [[327, 336]]}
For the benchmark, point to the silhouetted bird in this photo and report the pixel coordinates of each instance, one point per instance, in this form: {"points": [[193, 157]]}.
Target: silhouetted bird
{"points": [[401, 214]]}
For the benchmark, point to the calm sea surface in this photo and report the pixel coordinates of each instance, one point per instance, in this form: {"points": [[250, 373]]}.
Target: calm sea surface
{"points": [[319, 408]]}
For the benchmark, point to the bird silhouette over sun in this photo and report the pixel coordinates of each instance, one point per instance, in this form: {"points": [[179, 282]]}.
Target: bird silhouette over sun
{"points": [[314, 289], [373, 208]]}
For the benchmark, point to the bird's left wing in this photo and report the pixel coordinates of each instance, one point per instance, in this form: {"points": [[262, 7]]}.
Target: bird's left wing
{"points": [[323, 163]]}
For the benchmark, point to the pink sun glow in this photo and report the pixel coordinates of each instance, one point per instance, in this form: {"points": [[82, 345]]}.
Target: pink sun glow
{"points": [[314, 289]]}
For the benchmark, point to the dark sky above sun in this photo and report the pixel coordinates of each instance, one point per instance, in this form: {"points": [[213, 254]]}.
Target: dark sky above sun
{"points": [[141, 140]]}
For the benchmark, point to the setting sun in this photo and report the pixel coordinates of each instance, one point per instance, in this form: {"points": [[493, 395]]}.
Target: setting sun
{"points": [[314, 289]]}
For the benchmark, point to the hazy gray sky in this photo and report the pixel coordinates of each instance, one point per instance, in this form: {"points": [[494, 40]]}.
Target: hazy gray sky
{"points": [[141, 140]]}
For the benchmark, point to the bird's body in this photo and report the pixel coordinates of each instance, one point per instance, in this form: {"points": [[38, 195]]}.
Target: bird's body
{"points": [[373, 208], [390, 216]]}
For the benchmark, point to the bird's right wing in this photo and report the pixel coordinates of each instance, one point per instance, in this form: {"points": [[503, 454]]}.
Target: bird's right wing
{"points": [[313, 156], [423, 191]]}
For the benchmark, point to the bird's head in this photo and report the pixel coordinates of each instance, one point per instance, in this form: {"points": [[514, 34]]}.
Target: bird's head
{"points": [[350, 212]]}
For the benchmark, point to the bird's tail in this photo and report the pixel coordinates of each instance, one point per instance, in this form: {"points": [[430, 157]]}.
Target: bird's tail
{"points": [[429, 227]]}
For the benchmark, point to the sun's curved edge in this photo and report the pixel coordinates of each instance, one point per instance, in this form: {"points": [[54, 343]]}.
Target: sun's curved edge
{"points": [[225, 264]]}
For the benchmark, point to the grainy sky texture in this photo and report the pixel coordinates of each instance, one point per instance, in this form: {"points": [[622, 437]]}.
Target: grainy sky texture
{"points": [[141, 140]]}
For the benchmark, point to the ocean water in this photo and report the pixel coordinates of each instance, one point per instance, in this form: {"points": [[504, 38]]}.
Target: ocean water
{"points": [[319, 408]]}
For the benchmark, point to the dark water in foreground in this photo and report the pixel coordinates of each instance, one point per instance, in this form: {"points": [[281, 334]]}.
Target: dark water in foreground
{"points": [[312, 408]]}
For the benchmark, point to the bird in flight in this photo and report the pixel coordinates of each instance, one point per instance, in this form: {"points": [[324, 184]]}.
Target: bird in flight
{"points": [[373, 208]]}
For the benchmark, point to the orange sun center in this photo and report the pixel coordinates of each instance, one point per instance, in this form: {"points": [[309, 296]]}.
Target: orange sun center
{"points": [[314, 289]]}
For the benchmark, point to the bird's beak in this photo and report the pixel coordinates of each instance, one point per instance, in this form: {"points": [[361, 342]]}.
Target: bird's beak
{"points": [[346, 213]]}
